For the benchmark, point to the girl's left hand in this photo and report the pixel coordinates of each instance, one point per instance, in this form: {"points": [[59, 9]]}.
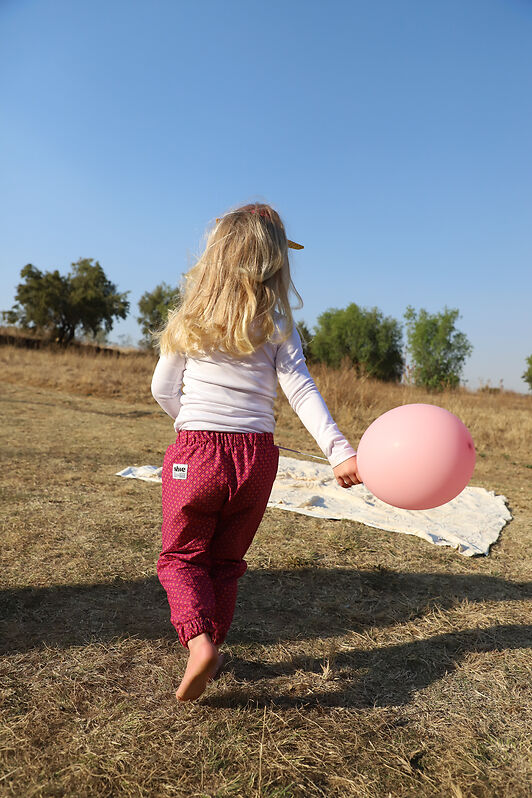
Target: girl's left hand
{"points": [[347, 473]]}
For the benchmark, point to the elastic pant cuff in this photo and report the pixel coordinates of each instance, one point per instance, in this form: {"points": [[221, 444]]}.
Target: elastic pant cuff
{"points": [[195, 627]]}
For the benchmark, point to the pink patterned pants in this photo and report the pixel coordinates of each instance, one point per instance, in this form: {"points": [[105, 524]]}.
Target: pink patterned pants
{"points": [[215, 490]]}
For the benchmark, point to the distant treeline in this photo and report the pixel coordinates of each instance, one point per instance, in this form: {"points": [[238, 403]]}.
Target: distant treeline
{"points": [[59, 307]]}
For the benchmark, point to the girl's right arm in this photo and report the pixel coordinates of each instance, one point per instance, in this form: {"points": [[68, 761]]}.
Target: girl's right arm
{"points": [[308, 403], [167, 381]]}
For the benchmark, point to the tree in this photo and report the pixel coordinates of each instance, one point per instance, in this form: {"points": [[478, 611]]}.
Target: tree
{"points": [[58, 306], [438, 350], [154, 306], [527, 376], [371, 342]]}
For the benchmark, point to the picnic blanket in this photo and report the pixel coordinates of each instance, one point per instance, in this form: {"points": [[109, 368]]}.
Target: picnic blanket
{"points": [[470, 523]]}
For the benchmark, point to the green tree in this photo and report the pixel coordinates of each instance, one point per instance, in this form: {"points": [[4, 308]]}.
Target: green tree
{"points": [[438, 350], [154, 307], [371, 342], [58, 305], [527, 376]]}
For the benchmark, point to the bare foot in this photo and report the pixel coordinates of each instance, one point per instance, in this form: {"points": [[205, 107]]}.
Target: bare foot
{"points": [[218, 667], [203, 663]]}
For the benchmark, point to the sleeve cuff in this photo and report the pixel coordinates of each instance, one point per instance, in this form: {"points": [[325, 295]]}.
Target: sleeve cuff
{"points": [[340, 454]]}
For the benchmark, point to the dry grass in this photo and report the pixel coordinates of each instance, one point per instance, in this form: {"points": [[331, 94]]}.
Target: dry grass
{"points": [[120, 376], [360, 662]]}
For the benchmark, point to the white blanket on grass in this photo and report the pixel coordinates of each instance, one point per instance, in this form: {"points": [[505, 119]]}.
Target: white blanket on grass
{"points": [[470, 523]]}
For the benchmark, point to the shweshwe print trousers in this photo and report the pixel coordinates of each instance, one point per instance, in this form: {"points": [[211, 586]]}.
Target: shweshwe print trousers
{"points": [[215, 488]]}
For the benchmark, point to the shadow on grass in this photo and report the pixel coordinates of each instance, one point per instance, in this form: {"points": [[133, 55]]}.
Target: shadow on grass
{"points": [[68, 403], [382, 677], [284, 605]]}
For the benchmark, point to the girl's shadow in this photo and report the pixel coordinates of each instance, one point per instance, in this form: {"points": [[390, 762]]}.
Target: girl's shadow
{"points": [[386, 676], [285, 605]]}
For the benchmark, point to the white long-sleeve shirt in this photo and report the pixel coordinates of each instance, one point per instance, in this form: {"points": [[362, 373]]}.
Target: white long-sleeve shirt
{"points": [[224, 393]]}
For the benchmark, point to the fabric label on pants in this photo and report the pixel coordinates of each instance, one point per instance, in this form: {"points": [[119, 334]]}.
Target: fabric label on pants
{"points": [[180, 470]]}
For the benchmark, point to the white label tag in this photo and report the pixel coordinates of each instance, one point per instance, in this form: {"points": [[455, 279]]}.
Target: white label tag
{"points": [[180, 470]]}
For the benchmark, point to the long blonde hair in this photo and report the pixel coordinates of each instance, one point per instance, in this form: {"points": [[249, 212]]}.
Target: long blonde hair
{"points": [[230, 297]]}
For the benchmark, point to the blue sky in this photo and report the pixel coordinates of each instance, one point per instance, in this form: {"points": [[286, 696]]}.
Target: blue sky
{"points": [[393, 136]]}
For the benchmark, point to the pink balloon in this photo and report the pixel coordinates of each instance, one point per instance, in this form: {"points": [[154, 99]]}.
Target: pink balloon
{"points": [[416, 457]]}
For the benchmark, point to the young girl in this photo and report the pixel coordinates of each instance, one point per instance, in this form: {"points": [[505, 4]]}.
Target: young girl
{"points": [[222, 351]]}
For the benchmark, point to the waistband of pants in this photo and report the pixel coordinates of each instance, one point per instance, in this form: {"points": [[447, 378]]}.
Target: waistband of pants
{"points": [[201, 436]]}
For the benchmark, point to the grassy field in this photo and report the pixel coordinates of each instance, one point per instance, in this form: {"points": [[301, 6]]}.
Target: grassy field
{"points": [[360, 662]]}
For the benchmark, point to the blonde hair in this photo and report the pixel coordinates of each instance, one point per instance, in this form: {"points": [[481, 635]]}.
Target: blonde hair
{"points": [[230, 297]]}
